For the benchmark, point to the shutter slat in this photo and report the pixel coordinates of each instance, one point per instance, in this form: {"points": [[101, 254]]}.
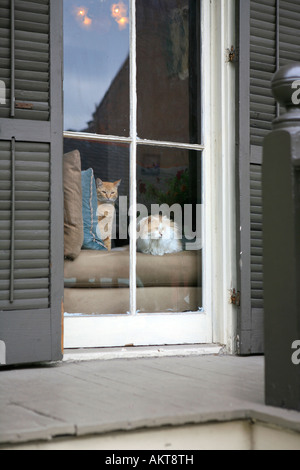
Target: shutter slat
{"points": [[22, 225], [23, 64], [256, 251], [25, 273], [37, 40], [35, 20], [26, 294], [257, 277], [26, 258], [22, 235], [33, 86], [28, 26], [25, 244], [24, 304], [26, 215], [25, 205], [37, 7], [22, 284]]}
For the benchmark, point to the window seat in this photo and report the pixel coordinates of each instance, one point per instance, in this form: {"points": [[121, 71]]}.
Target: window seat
{"points": [[98, 282]]}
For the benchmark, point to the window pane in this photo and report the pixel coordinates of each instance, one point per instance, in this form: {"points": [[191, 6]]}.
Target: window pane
{"points": [[168, 65], [97, 275], [169, 263], [96, 66]]}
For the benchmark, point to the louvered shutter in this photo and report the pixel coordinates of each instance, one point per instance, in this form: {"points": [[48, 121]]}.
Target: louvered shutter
{"points": [[269, 37], [31, 193], [5, 57]]}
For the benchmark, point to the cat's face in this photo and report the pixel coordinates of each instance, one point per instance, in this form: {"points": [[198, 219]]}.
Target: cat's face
{"points": [[107, 192], [156, 228]]}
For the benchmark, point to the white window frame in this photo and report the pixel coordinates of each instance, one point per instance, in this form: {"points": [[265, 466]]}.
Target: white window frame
{"points": [[217, 321]]}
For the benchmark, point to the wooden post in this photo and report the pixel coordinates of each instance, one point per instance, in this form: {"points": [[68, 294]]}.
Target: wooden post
{"points": [[281, 242]]}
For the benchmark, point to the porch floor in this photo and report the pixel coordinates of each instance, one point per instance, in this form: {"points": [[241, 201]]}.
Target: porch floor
{"points": [[84, 398]]}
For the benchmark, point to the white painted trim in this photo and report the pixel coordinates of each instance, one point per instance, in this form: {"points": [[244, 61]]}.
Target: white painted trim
{"points": [[139, 330], [207, 161], [133, 159], [128, 140], [220, 237], [96, 137]]}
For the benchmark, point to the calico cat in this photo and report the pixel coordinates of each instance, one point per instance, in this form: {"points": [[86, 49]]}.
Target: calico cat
{"points": [[107, 194], [158, 235]]}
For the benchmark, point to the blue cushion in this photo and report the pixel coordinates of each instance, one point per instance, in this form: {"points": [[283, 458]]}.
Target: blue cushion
{"points": [[89, 212]]}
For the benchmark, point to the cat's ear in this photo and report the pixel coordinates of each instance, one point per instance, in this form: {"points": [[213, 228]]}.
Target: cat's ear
{"points": [[99, 182], [117, 183]]}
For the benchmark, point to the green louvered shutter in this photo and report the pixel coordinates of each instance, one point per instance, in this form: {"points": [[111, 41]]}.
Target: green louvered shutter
{"points": [[31, 196], [269, 37]]}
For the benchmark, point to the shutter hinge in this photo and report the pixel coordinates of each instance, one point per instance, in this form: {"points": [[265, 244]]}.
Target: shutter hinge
{"points": [[235, 297]]}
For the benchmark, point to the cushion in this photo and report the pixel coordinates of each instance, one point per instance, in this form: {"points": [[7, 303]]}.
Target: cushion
{"points": [[112, 301], [73, 222], [111, 269], [91, 241]]}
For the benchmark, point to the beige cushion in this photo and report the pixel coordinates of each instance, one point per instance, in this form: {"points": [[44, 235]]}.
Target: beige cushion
{"points": [[111, 269], [116, 301], [73, 222]]}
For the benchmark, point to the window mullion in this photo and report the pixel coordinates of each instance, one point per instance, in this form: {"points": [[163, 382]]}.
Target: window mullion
{"points": [[133, 153]]}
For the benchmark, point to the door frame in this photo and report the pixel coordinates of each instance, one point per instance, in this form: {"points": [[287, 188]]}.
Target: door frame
{"points": [[217, 322]]}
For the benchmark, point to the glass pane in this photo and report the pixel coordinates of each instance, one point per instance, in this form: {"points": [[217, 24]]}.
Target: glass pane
{"points": [[168, 68], [96, 66], [96, 188], [169, 243]]}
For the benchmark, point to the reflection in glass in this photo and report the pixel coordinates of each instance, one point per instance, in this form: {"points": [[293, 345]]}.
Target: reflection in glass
{"points": [[168, 66], [96, 66], [97, 279], [169, 279]]}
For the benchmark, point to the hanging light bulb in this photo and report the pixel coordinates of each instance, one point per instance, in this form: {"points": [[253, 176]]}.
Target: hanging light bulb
{"points": [[119, 13], [82, 16]]}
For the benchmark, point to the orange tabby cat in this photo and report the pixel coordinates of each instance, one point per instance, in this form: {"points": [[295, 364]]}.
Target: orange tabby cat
{"points": [[107, 194]]}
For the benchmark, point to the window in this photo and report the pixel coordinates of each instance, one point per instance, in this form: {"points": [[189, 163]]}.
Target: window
{"points": [[133, 159]]}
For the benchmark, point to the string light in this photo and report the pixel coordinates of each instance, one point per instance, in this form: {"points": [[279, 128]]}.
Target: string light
{"points": [[119, 13], [82, 16]]}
